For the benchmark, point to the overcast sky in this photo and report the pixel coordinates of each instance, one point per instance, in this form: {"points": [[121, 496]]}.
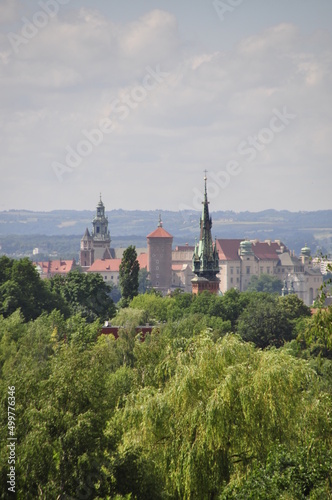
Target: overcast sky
{"points": [[136, 98]]}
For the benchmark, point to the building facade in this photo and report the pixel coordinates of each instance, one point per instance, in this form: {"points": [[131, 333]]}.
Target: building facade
{"points": [[242, 259]]}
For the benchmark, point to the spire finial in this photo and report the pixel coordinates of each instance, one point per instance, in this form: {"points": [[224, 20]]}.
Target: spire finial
{"points": [[99, 196], [205, 179], [160, 223]]}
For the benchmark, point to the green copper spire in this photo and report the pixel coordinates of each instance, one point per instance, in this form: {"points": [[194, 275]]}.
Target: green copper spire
{"points": [[205, 258]]}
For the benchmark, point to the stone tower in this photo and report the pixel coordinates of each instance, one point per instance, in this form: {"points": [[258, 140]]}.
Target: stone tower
{"points": [[100, 234], [160, 258], [205, 259], [86, 252], [97, 245]]}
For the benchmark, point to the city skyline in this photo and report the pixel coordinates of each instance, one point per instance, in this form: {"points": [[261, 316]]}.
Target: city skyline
{"points": [[136, 101]]}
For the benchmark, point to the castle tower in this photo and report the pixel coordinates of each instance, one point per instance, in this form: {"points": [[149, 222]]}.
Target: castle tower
{"points": [[97, 245], [160, 258], [205, 259], [100, 234]]}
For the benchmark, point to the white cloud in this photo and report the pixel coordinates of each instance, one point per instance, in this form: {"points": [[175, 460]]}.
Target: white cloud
{"points": [[67, 76]]}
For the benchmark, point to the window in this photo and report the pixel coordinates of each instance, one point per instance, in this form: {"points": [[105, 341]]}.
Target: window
{"points": [[237, 270], [231, 280], [237, 280], [248, 270], [112, 277], [97, 229], [268, 270], [261, 270], [232, 270], [157, 268]]}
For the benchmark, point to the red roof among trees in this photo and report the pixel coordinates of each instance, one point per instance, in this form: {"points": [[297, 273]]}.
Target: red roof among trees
{"points": [[107, 265], [56, 266]]}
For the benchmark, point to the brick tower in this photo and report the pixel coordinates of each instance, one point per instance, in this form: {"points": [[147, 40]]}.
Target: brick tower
{"points": [[160, 258]]}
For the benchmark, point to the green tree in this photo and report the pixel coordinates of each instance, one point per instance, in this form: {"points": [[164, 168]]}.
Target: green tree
{"points": [[265, 283], [155, 306], [316, 334], [224, 407], [21, 287], [264, 322], [128, 274], [294, 307], [143, 280], [86, 294], [303, 472]]}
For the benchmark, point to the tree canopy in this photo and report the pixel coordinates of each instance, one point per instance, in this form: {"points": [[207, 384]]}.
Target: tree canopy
{"points": [[229, 397]]}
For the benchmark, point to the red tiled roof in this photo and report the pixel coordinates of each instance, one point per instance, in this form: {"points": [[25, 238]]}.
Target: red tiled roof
{"points": [[159, 233], [102, 265], [56, 266], [228, 249], [109, 265], [264, 250], [143, 260]]}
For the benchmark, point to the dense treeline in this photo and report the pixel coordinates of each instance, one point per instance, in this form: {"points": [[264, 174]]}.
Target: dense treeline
{"points": [[228, 398]]}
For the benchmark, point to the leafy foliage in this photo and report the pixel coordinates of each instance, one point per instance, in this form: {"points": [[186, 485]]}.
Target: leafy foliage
{"points": [[21, 287], [265, 283], [317, 333], [193, 412], [128, 274], [86, 294]]}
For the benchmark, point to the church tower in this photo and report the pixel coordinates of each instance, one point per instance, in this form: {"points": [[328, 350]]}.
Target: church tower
{"points": [[100, 233], [205, 259], [97, 245]]}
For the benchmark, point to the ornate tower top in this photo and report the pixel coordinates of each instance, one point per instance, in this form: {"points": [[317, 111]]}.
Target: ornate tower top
{"points": [[100, 223], [205, 258]]}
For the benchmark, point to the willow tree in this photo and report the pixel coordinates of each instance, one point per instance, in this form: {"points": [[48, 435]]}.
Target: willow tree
{"points": [[223, 410]]}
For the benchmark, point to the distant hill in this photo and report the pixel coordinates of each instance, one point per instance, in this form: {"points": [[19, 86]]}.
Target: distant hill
{"points": [[126, 227]]}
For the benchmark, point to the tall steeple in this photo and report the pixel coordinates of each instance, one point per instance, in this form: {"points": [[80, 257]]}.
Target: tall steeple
{"points": [[205, 259]]}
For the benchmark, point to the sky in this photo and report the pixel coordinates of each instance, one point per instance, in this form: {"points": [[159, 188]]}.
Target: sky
{"points": [[136, 99]]}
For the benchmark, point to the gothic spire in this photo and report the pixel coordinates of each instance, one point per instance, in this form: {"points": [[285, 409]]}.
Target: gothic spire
{"points": [[205, 258]]}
